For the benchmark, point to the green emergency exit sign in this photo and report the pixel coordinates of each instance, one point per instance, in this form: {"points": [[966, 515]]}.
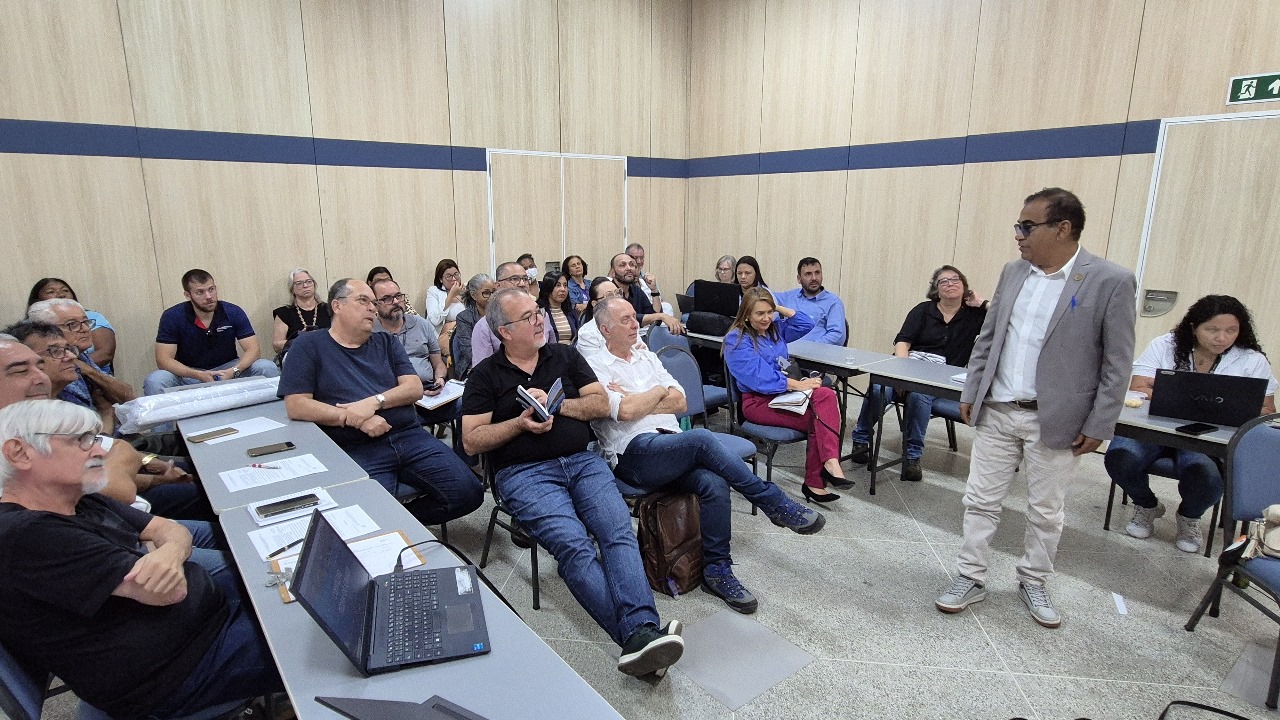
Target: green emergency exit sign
{"points": [[1254, 88]]}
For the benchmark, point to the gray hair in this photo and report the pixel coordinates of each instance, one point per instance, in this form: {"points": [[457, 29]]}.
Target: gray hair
{"points": [[633, 246], [476, 282], [733, 261], [33, 421], [498, 271], [609, 312], [45, 311], [340, 290], [496, 313], [293, 275]]}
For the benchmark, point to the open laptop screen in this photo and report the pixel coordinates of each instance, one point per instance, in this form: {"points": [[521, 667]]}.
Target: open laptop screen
{"points": [[333, 586]]}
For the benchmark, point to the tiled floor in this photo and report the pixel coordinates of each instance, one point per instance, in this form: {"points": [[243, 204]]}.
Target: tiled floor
{"points": [[859, 597]]}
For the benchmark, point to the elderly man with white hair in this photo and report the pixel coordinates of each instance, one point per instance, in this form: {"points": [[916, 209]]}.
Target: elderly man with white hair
{"points": [[132, 630], [71, 318]]}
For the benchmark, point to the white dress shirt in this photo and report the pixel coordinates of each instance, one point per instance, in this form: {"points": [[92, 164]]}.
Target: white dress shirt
{"points": [[643, 372], [1028, 326]]}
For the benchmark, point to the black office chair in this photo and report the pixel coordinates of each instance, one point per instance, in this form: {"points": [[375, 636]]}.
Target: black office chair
{"points": [[510, 525]]}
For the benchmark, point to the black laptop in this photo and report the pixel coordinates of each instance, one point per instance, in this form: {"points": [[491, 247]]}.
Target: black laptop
{"points": [[1204, 397], [392, 621], [716, 297]]}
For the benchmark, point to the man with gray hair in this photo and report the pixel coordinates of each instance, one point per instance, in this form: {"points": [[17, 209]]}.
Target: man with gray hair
{"points": [[70, 317], [643, 442], [360, 388], [484, 341], [132, 631], [562, 494]]}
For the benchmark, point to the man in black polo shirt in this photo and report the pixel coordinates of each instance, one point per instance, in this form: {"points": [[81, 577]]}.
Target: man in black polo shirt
{"points": [[622, 269], [197, 340], [133, 632], [562, 494]]}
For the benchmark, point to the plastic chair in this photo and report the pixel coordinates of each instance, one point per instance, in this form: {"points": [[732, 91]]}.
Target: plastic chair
{"points": [[770, 436], [660, 338], [1252, 456], [22, 689], [500, 506]]}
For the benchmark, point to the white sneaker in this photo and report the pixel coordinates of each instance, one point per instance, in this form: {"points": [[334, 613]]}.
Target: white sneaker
{"points": [[1189, 537], [1144, 520]]}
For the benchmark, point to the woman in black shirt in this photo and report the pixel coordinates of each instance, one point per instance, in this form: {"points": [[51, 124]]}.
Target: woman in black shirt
{"points": [[305, 313]]}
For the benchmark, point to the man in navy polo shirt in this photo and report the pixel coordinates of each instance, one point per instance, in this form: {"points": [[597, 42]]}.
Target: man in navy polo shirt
{"points": [[204, 339]]}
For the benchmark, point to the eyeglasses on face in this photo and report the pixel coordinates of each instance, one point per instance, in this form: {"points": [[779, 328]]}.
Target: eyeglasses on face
{"points": [[948, 281], [487, 293], [391, 299], [86, 440], [515, 280], [533, 318], [78, 325], [361, 300], [1024, 228], [304, 283], [53, 352]]}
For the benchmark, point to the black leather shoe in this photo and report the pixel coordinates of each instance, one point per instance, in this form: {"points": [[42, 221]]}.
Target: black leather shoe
{"points": [[811, 496], [860, 453], [837, 482]]}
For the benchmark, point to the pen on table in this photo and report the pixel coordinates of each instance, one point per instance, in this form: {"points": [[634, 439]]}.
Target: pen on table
{"points": [[274, 553], [265, 467]]}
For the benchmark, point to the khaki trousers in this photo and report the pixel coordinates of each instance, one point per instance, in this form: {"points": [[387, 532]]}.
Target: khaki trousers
{"points": [[1004, 436]]}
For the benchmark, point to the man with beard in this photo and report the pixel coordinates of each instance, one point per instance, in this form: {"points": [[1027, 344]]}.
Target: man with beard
{"points": [[622, 270], [821, 305]]}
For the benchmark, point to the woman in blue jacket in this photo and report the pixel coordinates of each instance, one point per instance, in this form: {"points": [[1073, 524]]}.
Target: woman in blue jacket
{"points": [[755, 349]]}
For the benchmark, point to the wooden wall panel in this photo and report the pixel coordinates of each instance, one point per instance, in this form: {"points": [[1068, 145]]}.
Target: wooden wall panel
{"points": [[503, 76], [605, 56], [593, 210], [914, 69], [669, 79], [376, 70], [1049, 63], [801, 214], [471, 222], [899, 225], [809, 50], [1191, 48], [248, 224], [1132, 190], [527, 207], [726, 72], [721, 221], [399, 218], [63, 61], [656, 220], [992, 197], [83, 219], [235, 66]]}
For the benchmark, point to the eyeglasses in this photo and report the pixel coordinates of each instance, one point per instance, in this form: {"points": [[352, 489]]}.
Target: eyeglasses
{"points": [[515, 280], [1024, 228], [948, 281], [86, 440], [391, 299], [78, 325], [53, 352], [487, 293], [361, 300], [304, 283], [533, 318], [452, 275], [606, 295]]}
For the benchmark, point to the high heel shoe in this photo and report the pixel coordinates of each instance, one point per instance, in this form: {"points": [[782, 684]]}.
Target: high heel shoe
{"points": [[811, 496], [839, 482]]}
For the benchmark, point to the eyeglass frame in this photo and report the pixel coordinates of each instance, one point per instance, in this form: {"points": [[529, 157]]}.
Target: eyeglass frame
{"points": [[79, 325], [304, 283], [71, 350], [522, 280], [94, 438], [390, 299], [1025, 227], [535, 318], [949, 281]]}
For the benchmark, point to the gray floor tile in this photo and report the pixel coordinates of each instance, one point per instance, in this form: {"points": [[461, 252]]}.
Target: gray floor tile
{"points": [[1071, 698]]}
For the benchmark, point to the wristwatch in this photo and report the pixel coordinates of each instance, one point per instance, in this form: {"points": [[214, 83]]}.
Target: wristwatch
{"points": [[382, 400], [235, 372]]}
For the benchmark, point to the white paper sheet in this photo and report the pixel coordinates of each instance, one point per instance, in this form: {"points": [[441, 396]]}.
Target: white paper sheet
{"points": [[350, 522], [452, 391], [277, 470], [244, 428], [326, 502]]}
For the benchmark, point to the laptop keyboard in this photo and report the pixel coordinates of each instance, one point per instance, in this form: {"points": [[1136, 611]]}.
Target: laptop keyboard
{"points": [[412, 634]]}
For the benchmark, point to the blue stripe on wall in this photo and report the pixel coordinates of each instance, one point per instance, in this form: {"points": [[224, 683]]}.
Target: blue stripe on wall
{"points": [[60, 138]]}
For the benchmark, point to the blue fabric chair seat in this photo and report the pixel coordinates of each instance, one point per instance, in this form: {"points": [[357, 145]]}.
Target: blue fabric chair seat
{"points": [[773, 433], [1266, 570], [737, 444], [715, 396]]}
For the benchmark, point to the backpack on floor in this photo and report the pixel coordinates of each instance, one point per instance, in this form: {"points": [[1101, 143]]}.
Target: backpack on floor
{"points": [[670, 538]]}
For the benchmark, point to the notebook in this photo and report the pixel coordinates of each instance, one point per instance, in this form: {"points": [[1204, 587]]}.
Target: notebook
{"points": [[716, 297], [1204, 397], [412, 617]]}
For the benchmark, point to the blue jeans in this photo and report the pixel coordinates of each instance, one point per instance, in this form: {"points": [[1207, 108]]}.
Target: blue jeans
{"points": [[696, 462], [412, 458], [158, 380], [207, 548], [562, 503], [918, 412], [1199, 480]]}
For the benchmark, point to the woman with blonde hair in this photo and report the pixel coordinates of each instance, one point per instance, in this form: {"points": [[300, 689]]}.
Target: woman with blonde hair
{"points": [[304, 314]]}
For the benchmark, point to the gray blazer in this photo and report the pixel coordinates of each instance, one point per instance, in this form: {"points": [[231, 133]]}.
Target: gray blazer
{"points": [[1084, 367]]}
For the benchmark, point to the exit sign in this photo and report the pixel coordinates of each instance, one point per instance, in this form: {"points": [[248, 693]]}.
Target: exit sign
{"points": [[1254, 88]]}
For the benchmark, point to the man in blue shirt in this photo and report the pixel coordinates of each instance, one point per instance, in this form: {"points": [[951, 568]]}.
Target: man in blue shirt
{"points": [[822, 306], [204, 339]]}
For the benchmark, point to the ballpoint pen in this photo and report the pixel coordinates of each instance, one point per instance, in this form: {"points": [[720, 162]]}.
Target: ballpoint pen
{"points": [[265, 467], [274, 553]]}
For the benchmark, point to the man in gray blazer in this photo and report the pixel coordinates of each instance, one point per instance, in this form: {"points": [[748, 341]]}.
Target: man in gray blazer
{"points": [[1046, 381]]}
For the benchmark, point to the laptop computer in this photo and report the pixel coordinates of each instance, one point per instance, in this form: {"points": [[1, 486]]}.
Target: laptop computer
{"points": [[716, 297], [685, 303], [1204, 397], [412, 617]]}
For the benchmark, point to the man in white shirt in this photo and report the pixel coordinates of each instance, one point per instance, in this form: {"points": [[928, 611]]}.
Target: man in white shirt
{"points": [[1046, 382], [642, 440]]}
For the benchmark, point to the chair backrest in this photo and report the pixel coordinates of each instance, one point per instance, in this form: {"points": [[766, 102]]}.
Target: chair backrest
{"points": [[660, 337], [735, 400], [1252, 457], [453, 353], [846, 332], [22, 690], [680, 363]]}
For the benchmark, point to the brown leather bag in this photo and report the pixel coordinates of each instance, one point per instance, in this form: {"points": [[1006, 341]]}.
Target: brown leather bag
{"points": [[670, 538]]}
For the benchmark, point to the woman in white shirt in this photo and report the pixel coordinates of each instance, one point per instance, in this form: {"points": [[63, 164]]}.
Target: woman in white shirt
{"points": [[444, 302], [1215, 336]]}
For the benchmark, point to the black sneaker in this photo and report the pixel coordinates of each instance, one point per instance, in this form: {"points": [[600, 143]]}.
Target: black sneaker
{"points": [[649, 650], [860, 453], [911, 471]]}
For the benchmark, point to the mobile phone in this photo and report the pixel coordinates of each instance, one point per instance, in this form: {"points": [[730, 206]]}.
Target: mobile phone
{"points": [[281, 507], [220, 432], [1196, 428], [268, 449], [435, 385]]}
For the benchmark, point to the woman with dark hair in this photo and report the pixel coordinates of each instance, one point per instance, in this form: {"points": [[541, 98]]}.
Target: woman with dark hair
{"points": [[589, 338], [755, 351], [575, 268], [103, 352], [307, 312], [444, 302], [479, 289], [561, 319], [747, 271], [1215, 336], [380, 272]]}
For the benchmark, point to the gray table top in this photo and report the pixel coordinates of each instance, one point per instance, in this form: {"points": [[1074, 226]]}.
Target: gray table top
{"points": [[1138, 417], [920, 371], [213, 459], [520, 678], [835, 356]]}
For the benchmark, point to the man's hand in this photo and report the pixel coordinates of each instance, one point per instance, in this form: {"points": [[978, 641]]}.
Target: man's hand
{"points": [[359, 412], [204, 376], [526, 423], [434, 389], [652, 281], [965, 410], [673, 324], [224, 374], [616, 387], [973, 299], [160, 572], [375, 426], [1082, 444]]}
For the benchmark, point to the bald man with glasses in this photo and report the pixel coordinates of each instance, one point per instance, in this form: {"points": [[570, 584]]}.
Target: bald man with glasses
{"points": [[483, 341]]}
